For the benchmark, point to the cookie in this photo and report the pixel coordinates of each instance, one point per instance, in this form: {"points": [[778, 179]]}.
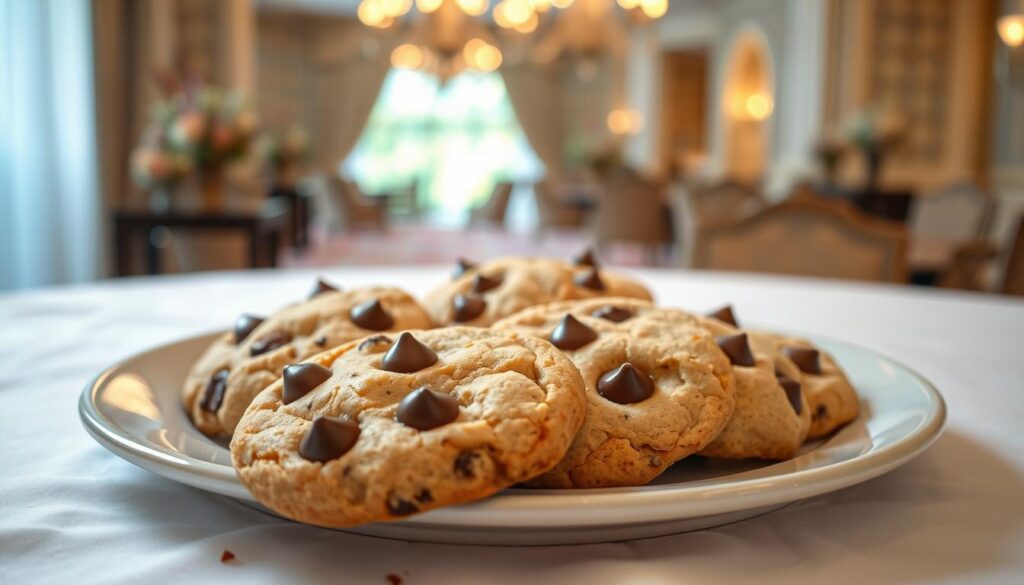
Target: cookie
{"points": [[481, 294], [244, 361], [772, 416], [397, 424], [831, 397], [658, 387]]}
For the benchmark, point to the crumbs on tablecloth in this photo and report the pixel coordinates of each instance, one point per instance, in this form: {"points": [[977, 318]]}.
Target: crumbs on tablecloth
{"points": [[227, 556]]}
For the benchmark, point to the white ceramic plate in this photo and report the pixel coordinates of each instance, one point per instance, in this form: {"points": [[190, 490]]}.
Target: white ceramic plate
{"points": [[133, 410]]}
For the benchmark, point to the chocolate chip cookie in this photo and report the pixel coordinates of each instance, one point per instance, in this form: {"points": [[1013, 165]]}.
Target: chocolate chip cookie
{"points": [[771, 417], [658, 387], [832, 400], [481, 294], [245, 360], [397, 424]]}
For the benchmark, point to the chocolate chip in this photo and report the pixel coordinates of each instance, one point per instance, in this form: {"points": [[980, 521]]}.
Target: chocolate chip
{"points": [[321, 286], [269, 342], [467, 307], [483, 283], [737, 348], [590, 279], [625, 384], [301, 379], [407, 355], [806, 359], [425, 409], [465, 463], [570, 334], [227, 556], [371, 315], [330, 437], [820, 412], [244, 326], [372, 341], [792, 390], [462, 266], [424, 496], [213, 394], [585, 258], [320, 341], [724, 314], [613, 313], [400, 507]]}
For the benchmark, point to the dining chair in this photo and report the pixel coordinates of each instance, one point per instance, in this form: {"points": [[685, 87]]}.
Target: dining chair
{"points": [[494, 209], [1013, 276], [960, 211], [631, 209], [553, 212], [692, 205], [805, 235], [338, 204]]}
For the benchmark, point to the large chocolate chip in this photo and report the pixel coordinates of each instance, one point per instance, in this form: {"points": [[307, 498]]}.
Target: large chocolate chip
{"points": [[424, 409], [269, 342], [467, 307], [590, 279], [724, 314], [483, 283], [792, 389], [321, 286], [585, 258], [820, 412], [300, 379], [330, 437], [625, 384], [737, 348], [465, 463], [373, 341], [400, 507], [244, 326], [806, 359], [613, 313], [462, 266], [213, 394], [371, 315], [407, 355], [571, 334]]}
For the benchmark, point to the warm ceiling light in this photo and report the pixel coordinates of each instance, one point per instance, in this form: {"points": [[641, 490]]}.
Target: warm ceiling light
{"points": [[407, 56], [758, 106], [1011, 29], [654, 8], [629, 4], [518, 12], [481, 56], [561, 3], [428, 6], [622, 121], [370, 13], [541, 5], [473, 7], [395, 8], [529, 26], [500, 18]]}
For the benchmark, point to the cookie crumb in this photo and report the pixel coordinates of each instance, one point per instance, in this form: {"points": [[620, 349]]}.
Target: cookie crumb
{"points": [[227, 556], [393, 579]]}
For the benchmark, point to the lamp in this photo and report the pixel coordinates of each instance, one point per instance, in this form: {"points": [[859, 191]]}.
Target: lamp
{"points": [[1011, 29]]}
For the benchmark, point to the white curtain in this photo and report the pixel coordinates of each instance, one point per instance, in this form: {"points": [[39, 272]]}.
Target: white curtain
{"points": [[49, 204], [536, 95]]}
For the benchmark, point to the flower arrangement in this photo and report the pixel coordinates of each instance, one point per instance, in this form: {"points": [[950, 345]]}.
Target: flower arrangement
{"points": [[201, 129], [285, 149]]}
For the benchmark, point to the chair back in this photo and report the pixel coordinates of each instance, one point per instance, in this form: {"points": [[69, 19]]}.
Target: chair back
{"points": [[494, 209], [724, 201], [958, 212], [1013, 277], [808, 236], [632, 209], [551, 211]]}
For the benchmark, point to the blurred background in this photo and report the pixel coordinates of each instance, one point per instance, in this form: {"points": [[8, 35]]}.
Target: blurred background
{"points": [[880, 140]]}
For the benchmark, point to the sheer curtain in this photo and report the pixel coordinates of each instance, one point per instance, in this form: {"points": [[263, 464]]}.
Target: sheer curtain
{"points": [[49, 205]]}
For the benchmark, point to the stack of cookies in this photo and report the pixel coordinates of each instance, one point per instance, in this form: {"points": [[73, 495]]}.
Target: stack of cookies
{"points": [[363, 405]]}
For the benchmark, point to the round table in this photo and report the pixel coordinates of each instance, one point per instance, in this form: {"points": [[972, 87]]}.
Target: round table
{"points": [[72, 512]]}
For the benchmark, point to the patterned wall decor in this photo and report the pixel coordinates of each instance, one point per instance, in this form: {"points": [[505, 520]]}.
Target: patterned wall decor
{"points": [[910, 72]]}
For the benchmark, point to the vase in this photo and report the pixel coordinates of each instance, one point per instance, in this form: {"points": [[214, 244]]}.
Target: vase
{"points": [[212, 191]]}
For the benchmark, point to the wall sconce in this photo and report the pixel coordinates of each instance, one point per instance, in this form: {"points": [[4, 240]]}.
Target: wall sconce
{"points": [[1011, 29], [753, 107], [623, 122]]}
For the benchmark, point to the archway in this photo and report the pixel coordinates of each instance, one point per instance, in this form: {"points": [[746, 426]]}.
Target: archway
{"points": [[749, 100]]}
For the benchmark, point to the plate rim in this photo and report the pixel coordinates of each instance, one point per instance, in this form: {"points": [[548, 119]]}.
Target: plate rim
{"points": [[508, 508]]}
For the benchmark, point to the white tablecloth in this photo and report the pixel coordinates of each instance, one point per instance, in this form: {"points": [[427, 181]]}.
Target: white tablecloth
{"points": [[70, 512]]}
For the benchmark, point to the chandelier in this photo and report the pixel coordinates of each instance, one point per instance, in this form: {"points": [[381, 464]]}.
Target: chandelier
{"points": [[445, 37]]}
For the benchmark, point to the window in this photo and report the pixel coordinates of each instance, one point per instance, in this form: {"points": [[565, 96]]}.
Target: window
{"points": [[453, 142]]}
